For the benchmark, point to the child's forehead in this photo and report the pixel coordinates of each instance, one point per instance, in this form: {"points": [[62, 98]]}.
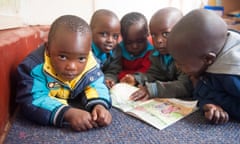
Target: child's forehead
{"points": [[72, 42], [159, 24], [100, 17], [136, 27], [106, 20], [164, 20], [65, 34]]}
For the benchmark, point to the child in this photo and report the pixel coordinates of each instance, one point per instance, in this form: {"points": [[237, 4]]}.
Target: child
{"points": [[105, 27], [63, 73], [135, 46], [205, 50], [163, 79]]}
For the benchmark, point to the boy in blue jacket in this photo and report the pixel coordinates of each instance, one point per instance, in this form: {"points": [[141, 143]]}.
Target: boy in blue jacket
{"points": [[207, 51], [60, 82]]}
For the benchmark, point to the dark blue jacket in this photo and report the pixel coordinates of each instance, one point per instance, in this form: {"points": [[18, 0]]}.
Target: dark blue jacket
{"points": [[44, 98], [220, 89]]}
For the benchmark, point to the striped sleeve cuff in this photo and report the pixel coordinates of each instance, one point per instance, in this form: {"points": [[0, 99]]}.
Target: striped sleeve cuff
{"points": [[92, 103], [152, 89], [58, 117]]}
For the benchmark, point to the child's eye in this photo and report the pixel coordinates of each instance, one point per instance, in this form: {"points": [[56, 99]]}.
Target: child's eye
{"points": [[128, 43], [165, 34], [82, 59], [115, 36], [141, 40], [62, 57], [104, 34]]}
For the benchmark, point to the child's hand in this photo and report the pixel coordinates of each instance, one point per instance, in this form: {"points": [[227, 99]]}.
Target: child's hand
{"points": [[215, 114], [128, 78], [101, 115], [141, 94], [110, 83], [80, 120]]}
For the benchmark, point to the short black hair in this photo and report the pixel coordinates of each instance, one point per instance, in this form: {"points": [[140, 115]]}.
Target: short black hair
{"points": [[101, 12], [71, 22], [130, 19]]}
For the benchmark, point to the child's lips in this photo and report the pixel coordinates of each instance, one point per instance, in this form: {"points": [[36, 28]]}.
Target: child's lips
{"points": [[161, 48], [108, 47], [69, 76]]}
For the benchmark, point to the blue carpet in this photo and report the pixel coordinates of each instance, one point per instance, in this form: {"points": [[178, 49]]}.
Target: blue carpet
{"points": [[125, 129]]}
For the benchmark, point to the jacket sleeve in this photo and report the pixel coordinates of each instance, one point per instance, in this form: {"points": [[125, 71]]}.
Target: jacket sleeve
{"points": [[97, 93], [179, 88], [114, 65], [32, 95], [165, 81], [221, 90]]}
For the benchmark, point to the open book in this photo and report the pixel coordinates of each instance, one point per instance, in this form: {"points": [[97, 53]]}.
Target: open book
{"points": [[158, 112]]}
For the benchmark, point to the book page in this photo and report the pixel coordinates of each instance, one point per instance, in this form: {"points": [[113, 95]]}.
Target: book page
{"points": [[163, 112], [120, 94], [158, 112]]}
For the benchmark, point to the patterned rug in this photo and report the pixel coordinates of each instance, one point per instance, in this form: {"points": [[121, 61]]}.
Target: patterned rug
{"points": [[193, 129]]}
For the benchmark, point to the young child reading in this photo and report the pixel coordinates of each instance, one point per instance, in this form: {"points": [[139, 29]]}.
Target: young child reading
{"points": [[60, 82], [105, 27], [205, 50], [135, 46], [162, 79]]}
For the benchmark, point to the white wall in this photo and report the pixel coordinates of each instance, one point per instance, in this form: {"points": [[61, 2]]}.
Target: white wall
{"points": [[146, 7], [44, 12]]}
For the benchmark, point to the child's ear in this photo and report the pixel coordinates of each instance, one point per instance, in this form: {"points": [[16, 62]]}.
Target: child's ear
{"points": [[210, 58], [46, 44]]}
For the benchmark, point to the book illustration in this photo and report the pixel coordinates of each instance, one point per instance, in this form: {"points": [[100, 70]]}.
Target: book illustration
{"points": [[158, 112], [161, 112]]}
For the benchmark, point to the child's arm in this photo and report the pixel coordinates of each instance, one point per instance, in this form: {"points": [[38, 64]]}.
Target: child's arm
{"points": [[179, 88], [114, 65], [221, 90], [79, 120], [141, 94], [33, 96], [98, 101], [97, 93]]}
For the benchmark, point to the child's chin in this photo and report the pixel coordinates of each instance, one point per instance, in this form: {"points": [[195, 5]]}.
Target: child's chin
{"points": [[163, 51], [68, 78]]}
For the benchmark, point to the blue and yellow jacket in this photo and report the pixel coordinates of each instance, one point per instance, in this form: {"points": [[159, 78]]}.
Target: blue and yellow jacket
{"points": [[44, 98]]}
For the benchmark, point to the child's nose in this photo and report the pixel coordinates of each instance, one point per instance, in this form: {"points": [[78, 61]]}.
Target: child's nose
{"points": [[134, 45], [71, 66], [110, 39], [159, 39]]}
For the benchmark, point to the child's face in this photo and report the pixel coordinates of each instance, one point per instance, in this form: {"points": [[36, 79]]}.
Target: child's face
{"points": [[68, 53], [192, 63], [106, 33], [159, 31], [136, 41]]}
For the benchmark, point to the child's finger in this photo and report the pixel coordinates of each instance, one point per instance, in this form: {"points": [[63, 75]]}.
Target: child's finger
{"points": [[134, 96], [209, 114], [216, 116], [94, 115], [223, 117], [94, 124]]}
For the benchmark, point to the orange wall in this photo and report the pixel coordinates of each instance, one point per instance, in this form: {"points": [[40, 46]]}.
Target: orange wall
{"points": [[15, 44]]}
